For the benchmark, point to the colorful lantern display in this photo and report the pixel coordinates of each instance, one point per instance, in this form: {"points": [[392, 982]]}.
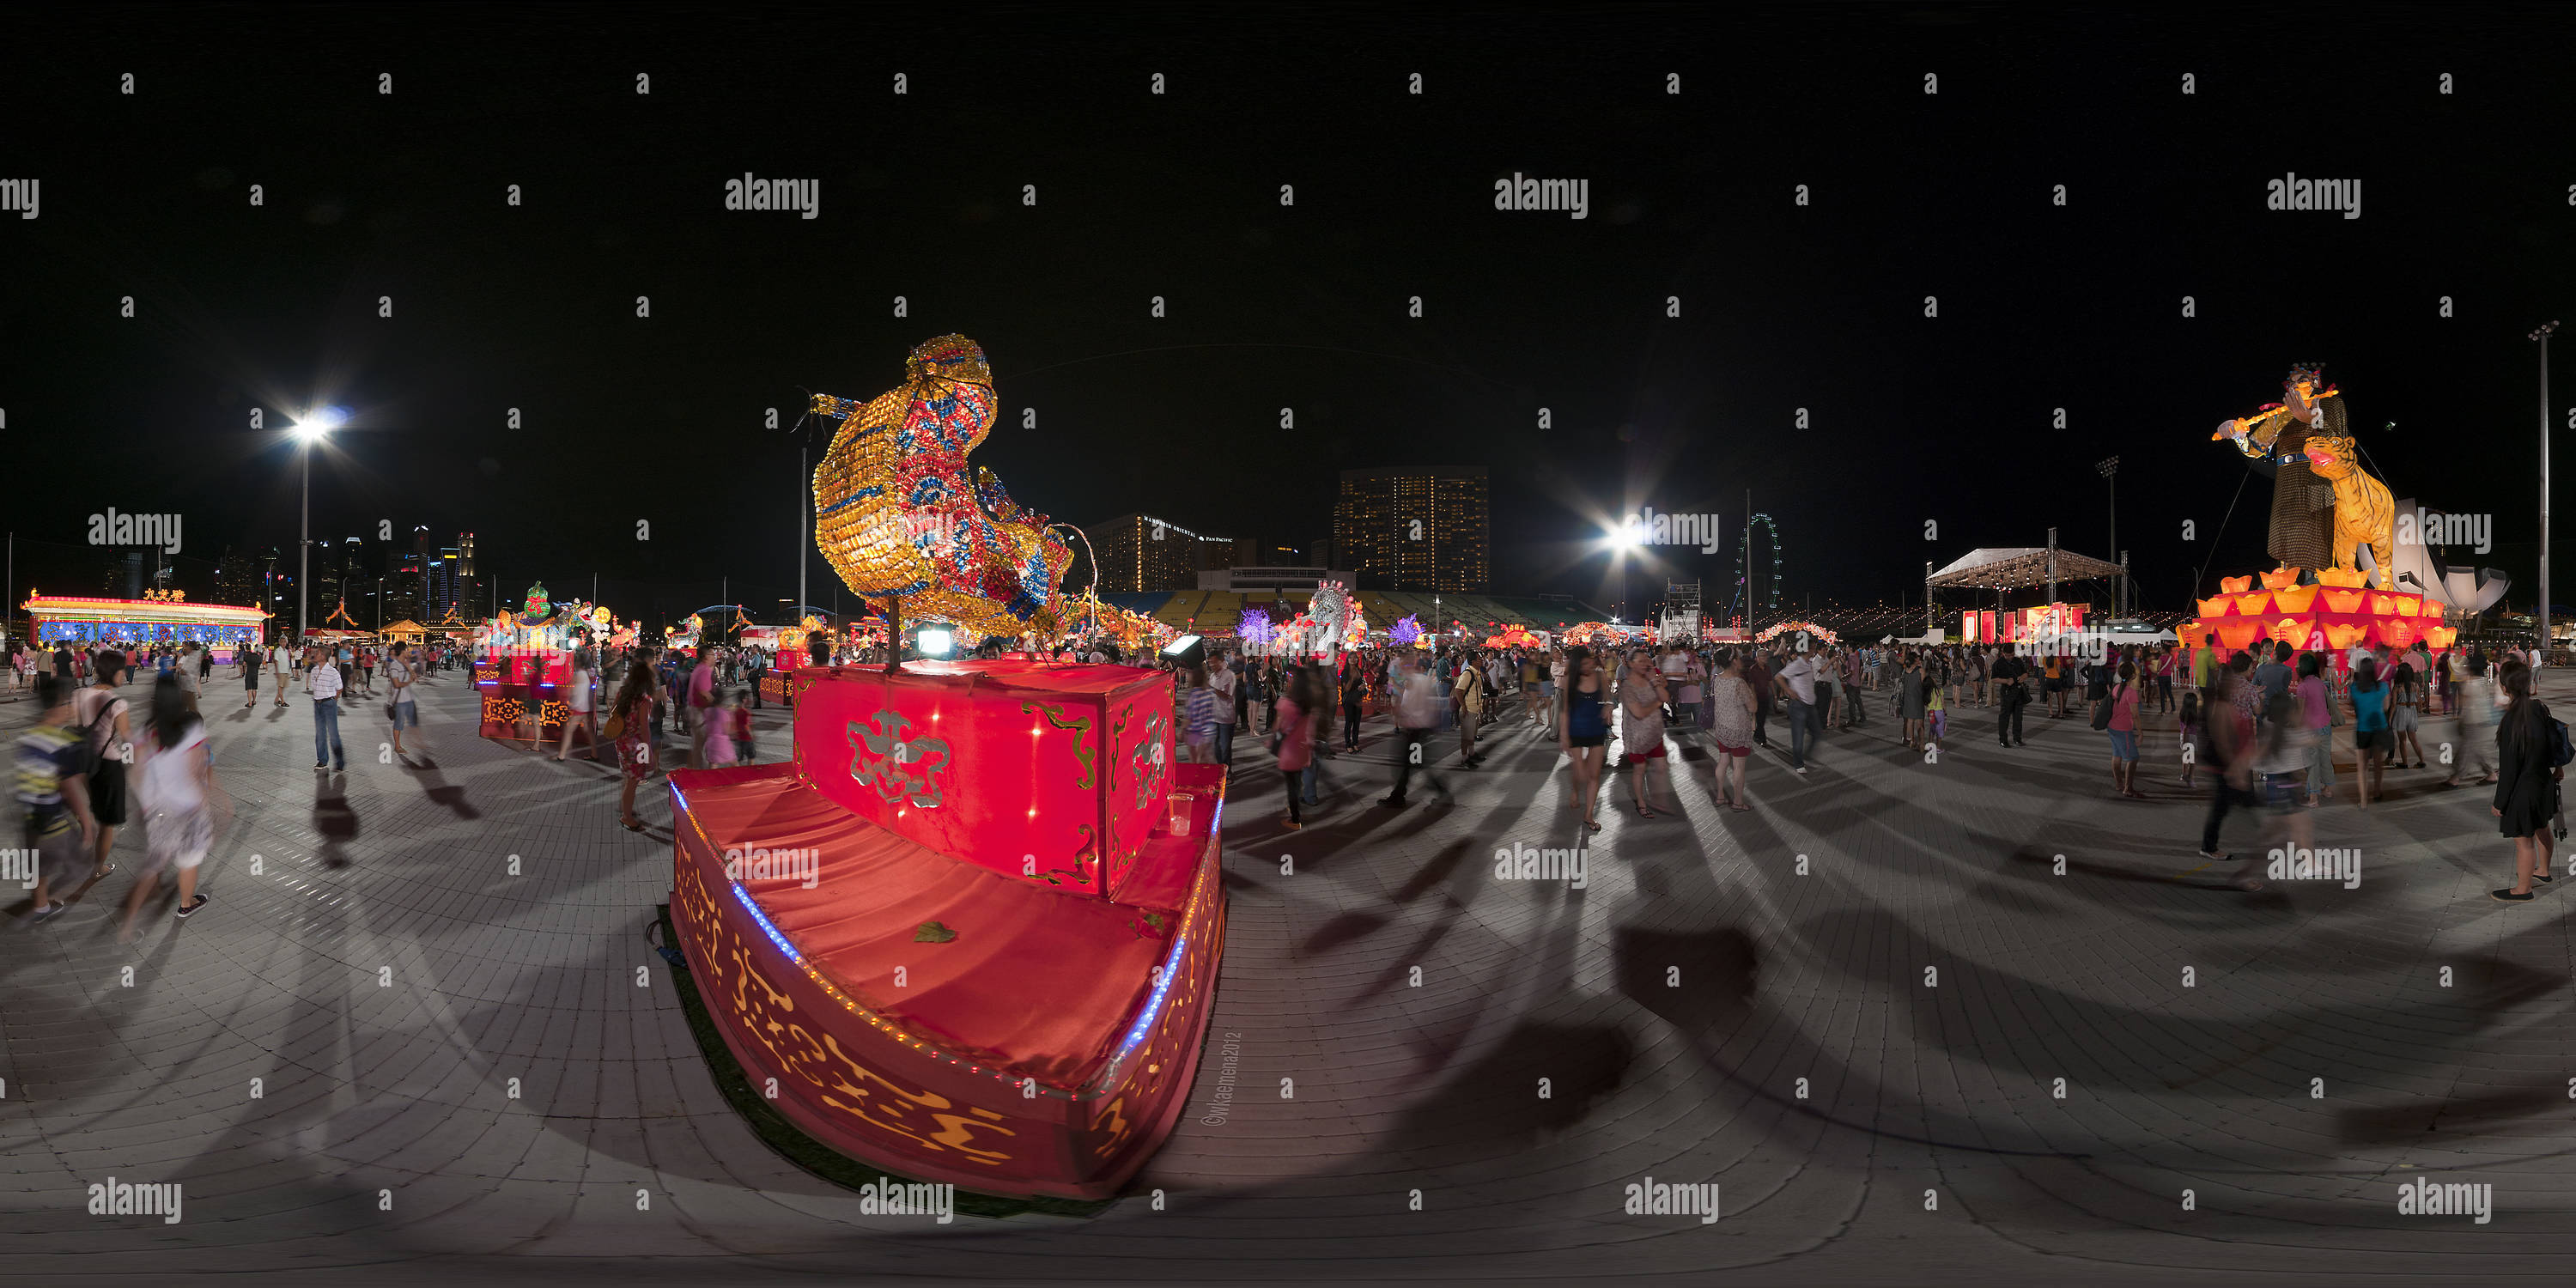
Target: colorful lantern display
{"points": [[900, 518], [998, 972]]}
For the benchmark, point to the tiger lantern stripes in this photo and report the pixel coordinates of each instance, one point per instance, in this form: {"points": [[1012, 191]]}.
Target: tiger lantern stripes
{"points": [[2364, 513]]}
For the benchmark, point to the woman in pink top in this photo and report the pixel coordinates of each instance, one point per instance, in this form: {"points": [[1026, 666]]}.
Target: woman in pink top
{"points": [[2124, 733], [1294, 731]]}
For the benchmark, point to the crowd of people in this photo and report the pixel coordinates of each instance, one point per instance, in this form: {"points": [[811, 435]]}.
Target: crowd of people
{"points": [[2263, 730], [2260, 722]]}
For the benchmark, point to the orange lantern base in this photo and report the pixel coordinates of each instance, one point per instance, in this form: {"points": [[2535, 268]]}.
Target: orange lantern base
{"points": [[2315, 617]]}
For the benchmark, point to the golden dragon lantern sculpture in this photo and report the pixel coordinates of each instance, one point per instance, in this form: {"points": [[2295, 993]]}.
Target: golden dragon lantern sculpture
{"points": [[899, 516]]}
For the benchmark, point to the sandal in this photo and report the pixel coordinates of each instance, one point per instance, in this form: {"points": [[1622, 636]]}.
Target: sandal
{"points": [[630, 826]]}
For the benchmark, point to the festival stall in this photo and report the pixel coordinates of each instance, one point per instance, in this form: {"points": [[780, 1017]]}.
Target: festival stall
{"points": [[142, 623], [987, 953], [523, 666]]}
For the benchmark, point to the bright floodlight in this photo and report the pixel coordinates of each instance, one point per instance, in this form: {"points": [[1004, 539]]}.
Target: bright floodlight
{"points": [[932, 641], [319, 423], [1623, 536]]}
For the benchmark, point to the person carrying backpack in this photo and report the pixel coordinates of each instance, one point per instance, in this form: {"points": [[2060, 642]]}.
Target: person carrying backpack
{"points": [[1469, 698], [52, 792], [2530, 750], [106, 732]]}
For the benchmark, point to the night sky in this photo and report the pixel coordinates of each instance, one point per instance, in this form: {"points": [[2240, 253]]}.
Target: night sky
{"points": [[2469, 195]]}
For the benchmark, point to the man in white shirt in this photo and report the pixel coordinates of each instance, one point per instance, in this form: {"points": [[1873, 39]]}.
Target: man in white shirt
{"points": [[323, 682], [278, 662], [1796, 683], [1674, 664]]}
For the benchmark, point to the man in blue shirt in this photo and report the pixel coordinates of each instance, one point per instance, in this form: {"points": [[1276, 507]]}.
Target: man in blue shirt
{"points": [[2274, 677]]}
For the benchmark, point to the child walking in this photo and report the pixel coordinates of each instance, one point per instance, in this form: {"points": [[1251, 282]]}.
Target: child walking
{"points": [[720, 730]]}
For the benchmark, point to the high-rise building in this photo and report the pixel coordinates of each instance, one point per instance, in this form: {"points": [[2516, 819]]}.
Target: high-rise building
{"points": [[1138, 552], [342, 582], [1216, 554], [1415, 529], [464, 595], [237, 579], [407, 581], [442, 583]]}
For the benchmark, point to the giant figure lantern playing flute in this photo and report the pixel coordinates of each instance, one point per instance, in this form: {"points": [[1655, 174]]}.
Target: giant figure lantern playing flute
{"points": [[972, 930], [2325, 512], [2324, 507]]}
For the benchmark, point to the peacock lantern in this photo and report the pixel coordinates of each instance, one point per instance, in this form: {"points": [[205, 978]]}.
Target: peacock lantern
{"points": [[901, 518]]}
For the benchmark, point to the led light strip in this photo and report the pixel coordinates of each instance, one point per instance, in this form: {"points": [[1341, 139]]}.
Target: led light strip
{"points": [[874, 1020]]}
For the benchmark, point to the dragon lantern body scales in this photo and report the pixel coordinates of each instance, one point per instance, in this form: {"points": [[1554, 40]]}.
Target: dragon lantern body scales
{"points": [[901, 519]]}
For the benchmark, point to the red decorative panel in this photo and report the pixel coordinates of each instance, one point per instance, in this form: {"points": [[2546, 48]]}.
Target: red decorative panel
{"points": [[1045, 773], [1044, 1045]]}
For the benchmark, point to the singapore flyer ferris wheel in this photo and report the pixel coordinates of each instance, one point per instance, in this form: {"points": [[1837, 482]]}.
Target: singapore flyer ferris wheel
{"points": [[1749, 592]]}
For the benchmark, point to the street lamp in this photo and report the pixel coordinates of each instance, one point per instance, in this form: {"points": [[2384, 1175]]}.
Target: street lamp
{"points": [[1622, 538], [2542, 335], [308, 432], [2110, 469]]}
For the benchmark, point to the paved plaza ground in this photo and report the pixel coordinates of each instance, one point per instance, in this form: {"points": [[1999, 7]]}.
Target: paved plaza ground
{"points": [[371, 958]]}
